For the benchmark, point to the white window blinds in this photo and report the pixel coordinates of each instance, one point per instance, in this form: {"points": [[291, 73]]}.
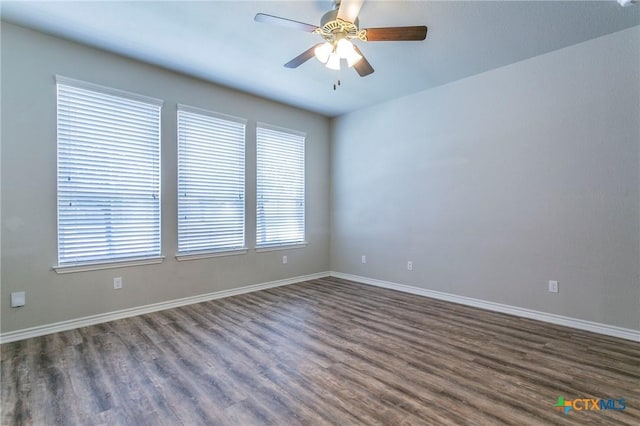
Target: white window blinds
{"points": [[211, 176], [280, 186], [108, 174]]}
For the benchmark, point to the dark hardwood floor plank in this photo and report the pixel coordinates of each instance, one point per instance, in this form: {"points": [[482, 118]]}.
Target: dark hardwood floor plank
{"points": [[51, 375], [305, 390], [16, 377], [135, 397], [326, 351]]}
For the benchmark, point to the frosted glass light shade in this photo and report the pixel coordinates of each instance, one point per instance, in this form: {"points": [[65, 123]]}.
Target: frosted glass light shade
{"points": [[334, 61], [343, 47], [323, 51]]}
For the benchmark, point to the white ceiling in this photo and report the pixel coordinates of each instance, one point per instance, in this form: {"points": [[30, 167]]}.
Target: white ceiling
{"points": [[220, 42]]}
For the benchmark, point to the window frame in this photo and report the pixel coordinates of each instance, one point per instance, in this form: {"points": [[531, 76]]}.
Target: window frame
{"points": [[67, 266], [211, 251], [281, 245]]}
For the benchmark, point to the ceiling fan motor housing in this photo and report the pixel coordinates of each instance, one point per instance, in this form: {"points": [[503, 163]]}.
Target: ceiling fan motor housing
{"points": [[332, 15], [333, 29]]}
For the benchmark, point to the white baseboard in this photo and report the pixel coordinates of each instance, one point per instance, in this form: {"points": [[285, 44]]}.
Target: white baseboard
{"points": [[595, 327], [609, 330], [41, 330]]}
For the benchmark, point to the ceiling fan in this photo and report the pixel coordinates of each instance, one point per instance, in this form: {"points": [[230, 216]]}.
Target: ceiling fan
{"points": [[338, 27]]}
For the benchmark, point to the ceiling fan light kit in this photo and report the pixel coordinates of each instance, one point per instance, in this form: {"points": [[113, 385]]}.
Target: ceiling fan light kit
{"points": [[338, 27], [330, 54]]}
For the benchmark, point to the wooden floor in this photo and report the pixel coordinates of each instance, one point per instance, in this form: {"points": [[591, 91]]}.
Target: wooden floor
{"points": [[326, 351]]}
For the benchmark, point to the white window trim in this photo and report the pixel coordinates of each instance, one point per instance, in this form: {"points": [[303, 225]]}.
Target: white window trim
{"points": [[276, 247], [96, 266], [196, 110], [108, 90], [210, 254], [280, 129]]}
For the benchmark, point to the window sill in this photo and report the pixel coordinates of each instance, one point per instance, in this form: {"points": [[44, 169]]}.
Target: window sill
{"points": [[96, 266], [209, 254], [281, 247]]}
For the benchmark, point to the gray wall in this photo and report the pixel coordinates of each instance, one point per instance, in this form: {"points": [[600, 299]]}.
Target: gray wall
{"points": [[29, 62], [491, 185], [497, 183]]}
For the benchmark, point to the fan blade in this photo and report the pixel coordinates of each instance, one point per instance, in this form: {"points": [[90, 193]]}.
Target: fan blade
{"points": [[302, 58], [349, 10], [396, 33], [283, 22], [363, 66]]}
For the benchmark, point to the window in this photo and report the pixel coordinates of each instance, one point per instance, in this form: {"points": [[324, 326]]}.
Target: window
{"points": [[210, 181], [108, 174], [280, 186]]}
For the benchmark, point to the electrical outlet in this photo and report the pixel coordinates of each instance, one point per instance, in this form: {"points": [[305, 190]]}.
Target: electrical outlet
{"points": [[364, 259], [409, 266], [284, 260], [553, 286], [18, 299], [117, 283]]}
